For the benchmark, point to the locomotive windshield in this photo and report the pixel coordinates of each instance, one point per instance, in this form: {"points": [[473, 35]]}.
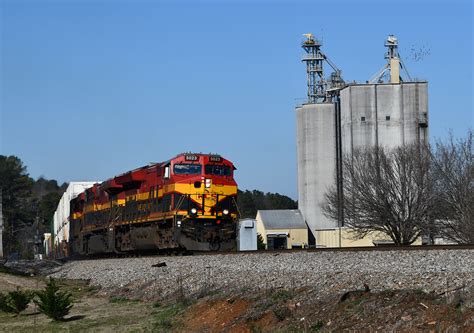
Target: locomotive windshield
{"points": [[217, 170], [187, 169]]}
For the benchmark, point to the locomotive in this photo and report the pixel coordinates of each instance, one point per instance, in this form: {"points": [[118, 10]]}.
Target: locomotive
{"points": [[188, 202]]}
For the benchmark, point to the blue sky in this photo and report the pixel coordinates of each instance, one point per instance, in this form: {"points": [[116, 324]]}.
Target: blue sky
{"points": [[90, 89]]}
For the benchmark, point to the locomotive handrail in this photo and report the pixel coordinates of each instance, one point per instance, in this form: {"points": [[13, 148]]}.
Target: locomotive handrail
{"points": [[180, 202], [236, 206]]}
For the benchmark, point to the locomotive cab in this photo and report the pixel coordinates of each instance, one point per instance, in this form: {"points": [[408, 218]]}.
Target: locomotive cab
{"points": [[207, 211]]}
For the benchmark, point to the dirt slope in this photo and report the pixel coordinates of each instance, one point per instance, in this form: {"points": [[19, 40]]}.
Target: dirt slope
{"points": [[401, 311]]}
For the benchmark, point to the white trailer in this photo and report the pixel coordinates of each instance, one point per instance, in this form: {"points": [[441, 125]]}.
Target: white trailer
{"points": [[61, 216]]}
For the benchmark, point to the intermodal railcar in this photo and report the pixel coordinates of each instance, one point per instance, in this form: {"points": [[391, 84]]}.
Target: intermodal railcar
{"points": [[188, 202]]}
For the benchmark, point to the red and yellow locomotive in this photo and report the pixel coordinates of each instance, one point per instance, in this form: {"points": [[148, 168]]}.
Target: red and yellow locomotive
{"points": [[187, 202]]}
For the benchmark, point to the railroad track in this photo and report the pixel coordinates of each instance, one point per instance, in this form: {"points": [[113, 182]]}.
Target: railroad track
{"points": [[277, 252]]}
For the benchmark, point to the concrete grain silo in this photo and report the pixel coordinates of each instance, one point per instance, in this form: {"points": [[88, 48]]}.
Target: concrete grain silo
{"points": [[385, 115], [316, 135], [338, 118]]}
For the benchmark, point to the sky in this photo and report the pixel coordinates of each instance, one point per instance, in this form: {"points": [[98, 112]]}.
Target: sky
{"points": [[91, 89]]}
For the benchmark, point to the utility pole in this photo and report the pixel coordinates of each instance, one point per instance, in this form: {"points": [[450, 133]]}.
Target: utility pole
{"points": [[1, 224], [37, 239]]}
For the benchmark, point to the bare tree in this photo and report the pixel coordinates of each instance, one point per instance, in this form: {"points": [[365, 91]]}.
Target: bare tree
{"points": [[453, 170], [387, 191]]}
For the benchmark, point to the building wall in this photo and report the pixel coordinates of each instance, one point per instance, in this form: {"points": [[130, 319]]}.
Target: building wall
{"points": [[316, 150], [261, 227], [344, 237], [406, 104]]}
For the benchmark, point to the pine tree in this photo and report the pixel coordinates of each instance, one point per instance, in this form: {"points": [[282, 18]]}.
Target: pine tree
{"points": [[4, 303], [18, 300], [15, 301], [53, 302]]}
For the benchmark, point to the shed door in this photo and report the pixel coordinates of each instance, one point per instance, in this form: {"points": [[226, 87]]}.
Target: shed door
{"points": [[275, 242]]}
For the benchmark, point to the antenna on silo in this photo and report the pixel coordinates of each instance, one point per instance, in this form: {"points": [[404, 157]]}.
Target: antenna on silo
{"points": [[393, 65]]}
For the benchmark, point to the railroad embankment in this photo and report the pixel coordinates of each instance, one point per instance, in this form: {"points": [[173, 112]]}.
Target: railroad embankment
{"points": [[412, 291], [319, 273]]}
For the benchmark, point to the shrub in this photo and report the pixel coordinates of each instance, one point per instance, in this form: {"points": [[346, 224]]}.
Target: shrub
{"points": [[282, 295], [53, 302], [260, 242], [282, 313], [4, 303], [15, 301], [18, 300], [317, 325]]}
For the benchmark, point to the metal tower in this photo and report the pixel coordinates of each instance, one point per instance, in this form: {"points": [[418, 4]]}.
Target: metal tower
{"points": [[393, 65], [314, 69], [320, 90]]}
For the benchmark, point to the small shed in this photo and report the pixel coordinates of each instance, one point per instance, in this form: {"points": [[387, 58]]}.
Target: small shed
{"points": [[282, 229], [247, 236]]}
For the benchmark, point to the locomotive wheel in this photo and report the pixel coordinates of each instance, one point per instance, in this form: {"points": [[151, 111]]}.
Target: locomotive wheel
{"points": [[215, 246]]}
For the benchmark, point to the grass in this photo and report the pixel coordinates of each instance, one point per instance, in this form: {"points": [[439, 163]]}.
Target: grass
{"points": [[104, 316], [94, 313], [78, 288], [317, 325], [282, 295], [118, 299], [166, 317]]}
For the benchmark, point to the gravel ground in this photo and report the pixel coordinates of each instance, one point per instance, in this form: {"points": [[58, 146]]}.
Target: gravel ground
{"points": [[323, 273]]}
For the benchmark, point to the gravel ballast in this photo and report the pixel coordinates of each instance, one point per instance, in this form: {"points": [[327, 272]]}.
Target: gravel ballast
{"points": [[323, 273]]}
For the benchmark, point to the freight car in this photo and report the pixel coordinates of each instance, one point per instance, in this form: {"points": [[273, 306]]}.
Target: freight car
{"points": [[188, 202]]}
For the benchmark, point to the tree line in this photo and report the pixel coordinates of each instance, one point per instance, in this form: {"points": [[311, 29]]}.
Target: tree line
{"points": [[249, 202], [28, 205], [408, 192]]}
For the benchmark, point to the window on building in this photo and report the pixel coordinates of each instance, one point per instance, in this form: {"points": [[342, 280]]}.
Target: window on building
{"points": [[387, 118], [362, 118]]}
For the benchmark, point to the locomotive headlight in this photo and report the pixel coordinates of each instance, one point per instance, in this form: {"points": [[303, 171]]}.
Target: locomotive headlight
{"points": [[225, 212], [193, 211], [208, 182], [178, 224]]}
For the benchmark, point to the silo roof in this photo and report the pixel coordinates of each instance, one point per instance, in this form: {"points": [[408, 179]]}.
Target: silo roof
{"points": [[282, 219]]}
